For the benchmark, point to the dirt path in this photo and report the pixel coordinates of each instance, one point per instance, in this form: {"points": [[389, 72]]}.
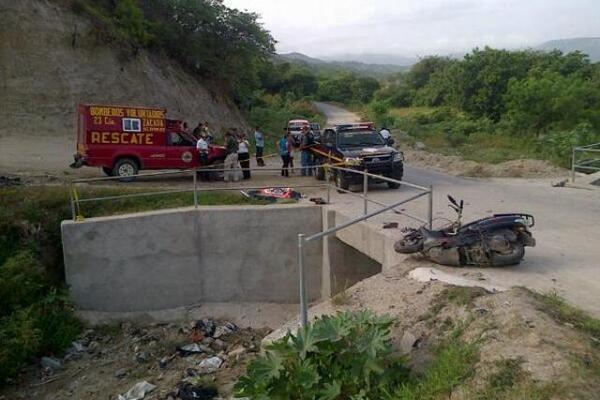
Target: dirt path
{"points": [[567, 229]]}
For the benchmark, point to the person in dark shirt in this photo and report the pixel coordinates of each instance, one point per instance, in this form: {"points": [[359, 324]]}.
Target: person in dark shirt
{"points": [[307, 157], [198, 130]]}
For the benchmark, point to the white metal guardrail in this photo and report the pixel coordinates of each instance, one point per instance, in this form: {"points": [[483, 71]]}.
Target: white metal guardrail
{"points": [[586, 159], [302, 238]]}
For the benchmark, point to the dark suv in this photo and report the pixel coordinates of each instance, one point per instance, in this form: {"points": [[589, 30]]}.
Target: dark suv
{"points": [[361, 147]]}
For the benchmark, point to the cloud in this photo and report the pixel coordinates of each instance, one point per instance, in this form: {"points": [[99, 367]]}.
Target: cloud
{"points": [[419, 27]]}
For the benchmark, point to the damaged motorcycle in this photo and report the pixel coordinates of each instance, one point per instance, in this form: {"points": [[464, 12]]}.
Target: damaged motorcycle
{"points": [[495, 241]]}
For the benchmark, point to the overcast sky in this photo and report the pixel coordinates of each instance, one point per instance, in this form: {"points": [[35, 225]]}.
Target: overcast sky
{"points": [[420, 27]]}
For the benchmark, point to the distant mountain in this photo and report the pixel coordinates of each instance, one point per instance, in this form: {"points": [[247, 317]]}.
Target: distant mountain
{"points": [[321, 66], [301, 58], [374, 58], [589, 46]]}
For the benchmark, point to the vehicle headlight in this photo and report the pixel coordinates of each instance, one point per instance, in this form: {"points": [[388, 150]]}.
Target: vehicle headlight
{"points": [[352, 161], [399, 156]]}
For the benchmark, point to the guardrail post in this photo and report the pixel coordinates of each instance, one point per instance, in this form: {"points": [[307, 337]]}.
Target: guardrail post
{"points": [[573, 165], [195, 188], [303, 301], [365, 190], [328, 180], [430, 207], [72, 203]]}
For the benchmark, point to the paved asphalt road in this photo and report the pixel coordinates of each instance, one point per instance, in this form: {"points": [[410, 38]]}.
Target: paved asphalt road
{"points": [[567, 256]]}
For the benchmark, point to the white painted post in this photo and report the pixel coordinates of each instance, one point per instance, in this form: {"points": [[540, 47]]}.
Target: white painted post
{"points": [[195, 171], [365, 190], [303, 301]]}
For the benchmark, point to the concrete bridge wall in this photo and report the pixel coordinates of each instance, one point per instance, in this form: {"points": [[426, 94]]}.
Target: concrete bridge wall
{"points": [[211, 255]]}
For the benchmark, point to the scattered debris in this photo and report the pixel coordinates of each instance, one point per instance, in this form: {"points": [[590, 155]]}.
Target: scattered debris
{"points": [[318, 200], [561, 183], [106, 362], [420, 146], [206, 326], [210, 365], [51, 363], [224, 330], [408, 342], [188, 391], [164, 362], [142, 357], [121, 373], [138, 391], [193, 348], [9, 181]]}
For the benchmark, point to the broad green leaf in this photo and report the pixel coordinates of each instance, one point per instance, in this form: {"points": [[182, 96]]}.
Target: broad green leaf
{"points": [[306, 342], [330, 328], [266, 368], [306, 374], [330, 391]]}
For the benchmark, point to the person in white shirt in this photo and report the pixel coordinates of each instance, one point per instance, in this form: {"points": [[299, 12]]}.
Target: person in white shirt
{"points": [[202, 147], [244, 155], [386, 135]]}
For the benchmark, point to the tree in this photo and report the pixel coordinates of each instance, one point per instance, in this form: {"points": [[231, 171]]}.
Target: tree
{"points": [[131, 20], [547, 100], [364, 88]]}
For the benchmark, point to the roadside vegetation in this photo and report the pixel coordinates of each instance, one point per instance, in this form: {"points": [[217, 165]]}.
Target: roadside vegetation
{"points": [[496, 105], [350, 355], [36, 316]]}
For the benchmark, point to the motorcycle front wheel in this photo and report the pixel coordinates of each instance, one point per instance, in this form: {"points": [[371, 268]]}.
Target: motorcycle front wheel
{"points": [[411, 243]]}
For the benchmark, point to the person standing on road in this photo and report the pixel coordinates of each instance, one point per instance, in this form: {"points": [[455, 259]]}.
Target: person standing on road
{"points": [[305, 145], [202, 147], [259, 139], [284, 151], [244, 155], [291, 148], [231, 160]]}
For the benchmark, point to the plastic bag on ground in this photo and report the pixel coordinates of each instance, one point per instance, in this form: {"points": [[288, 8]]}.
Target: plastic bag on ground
{"points": [[138, 391], [210, 365]]}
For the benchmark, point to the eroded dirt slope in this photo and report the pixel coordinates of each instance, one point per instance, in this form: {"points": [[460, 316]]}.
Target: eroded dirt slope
{"points": [[52, 59]]}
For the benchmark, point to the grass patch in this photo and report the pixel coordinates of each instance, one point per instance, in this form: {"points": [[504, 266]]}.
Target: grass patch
{"points": [[453, 364], [556, 307], [448, 131], [458, 295], [343, 297], [511, 382]]}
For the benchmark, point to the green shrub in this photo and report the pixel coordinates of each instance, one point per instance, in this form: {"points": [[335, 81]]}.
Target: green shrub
{"points": [[22, 282], [19, 342], [56, 322], [347, 356], [557, 146]]}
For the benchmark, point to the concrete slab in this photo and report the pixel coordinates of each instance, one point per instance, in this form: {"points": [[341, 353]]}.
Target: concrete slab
{"points": [[168, 259]]}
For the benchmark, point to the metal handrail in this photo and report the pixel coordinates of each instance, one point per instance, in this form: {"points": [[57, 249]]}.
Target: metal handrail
{"points": [[303, 239], [585, 164]]}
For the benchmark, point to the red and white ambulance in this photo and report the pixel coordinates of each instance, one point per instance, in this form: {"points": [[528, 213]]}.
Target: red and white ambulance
{"points": [[123, 140]]}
